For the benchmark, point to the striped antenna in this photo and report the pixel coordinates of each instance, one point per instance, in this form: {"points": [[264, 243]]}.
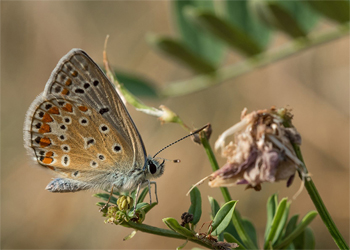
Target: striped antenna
{"points": [[192, 133]]}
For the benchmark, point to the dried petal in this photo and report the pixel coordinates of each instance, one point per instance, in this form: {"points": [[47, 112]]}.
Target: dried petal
{"points": [[261, 151]]}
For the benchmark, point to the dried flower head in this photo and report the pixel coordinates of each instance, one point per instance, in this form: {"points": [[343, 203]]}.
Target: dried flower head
{"points": [[260, 152]]}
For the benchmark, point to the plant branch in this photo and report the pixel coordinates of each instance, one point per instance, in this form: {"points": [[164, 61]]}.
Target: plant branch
{"points": [[214, 164], [201, 82], [162, 232], [321, 208]]}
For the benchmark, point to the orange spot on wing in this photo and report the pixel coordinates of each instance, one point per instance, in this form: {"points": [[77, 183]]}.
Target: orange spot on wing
{"points": [[68, 107], [47, 118], [74, 73], [49, 154], [83, 108], [54, 110], [47, 160], [65, 92], [45, 128], [44, 142], [68, 82]]}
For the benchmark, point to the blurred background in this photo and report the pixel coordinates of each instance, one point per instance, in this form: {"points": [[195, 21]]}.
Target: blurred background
{"points": [[36, 34]]}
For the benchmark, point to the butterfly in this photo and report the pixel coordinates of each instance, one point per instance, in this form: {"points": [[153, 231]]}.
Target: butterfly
{"points": [[80, 129]]}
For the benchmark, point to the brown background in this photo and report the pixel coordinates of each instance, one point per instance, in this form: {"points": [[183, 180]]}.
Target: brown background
{"points": [[35, 35]]}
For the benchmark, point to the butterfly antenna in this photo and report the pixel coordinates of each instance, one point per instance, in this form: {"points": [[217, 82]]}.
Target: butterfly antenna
{"points": [[192, 133]]}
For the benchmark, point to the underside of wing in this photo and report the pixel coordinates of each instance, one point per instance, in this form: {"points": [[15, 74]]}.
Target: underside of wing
{"points": [[78, 77]]}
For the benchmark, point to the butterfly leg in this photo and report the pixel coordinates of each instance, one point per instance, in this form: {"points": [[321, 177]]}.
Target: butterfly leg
{"points": [[136, 197], [155, 190], [149, 192], [109, 199]]}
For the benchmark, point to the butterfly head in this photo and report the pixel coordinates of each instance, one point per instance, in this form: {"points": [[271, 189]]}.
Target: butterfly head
{"points": [[153, 168]]}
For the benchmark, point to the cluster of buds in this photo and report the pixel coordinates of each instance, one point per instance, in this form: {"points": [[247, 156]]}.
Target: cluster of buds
{"points": [[119, 213], [186, 218], [261, 151]]}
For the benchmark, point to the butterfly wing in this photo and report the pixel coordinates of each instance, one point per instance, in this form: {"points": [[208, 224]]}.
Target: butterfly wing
{"points": [[79, 126]]}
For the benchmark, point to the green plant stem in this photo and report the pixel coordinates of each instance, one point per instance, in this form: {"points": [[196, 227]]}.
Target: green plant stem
{"points": [[320, 207], [214, 164], [231, 71], [162, 232], [236, 218]]}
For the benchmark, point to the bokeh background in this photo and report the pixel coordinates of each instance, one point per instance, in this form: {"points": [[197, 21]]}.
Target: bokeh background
{"points": [[36, 34]]}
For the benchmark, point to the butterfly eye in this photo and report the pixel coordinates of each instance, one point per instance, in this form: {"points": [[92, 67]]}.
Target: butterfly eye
{"points": [[152, 168]]}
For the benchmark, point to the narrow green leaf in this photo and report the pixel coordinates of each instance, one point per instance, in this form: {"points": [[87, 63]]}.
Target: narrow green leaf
{"points": [[227, 32], [138, 85], [281, 225], [132, 234], [200, 42], [271, 206], [180, 53], [335, 10], [292, 223], [298, 230], [214, 205], [105, 197], [231, 239], [149, 207], [275, 223], [142, 195], [100, 204], [176, 227], [237, 221], [250, 229], [309, 242], [182, 246], [222, 218], [238, 14], [276, 16], [302, 13], [196, 205]]}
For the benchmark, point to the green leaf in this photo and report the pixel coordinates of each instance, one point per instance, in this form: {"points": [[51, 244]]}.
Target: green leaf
{"points": [[222, 218], [137, 85], [180, 53], [198, 41], [276, 16], [176, 227], [272, 204], [305, 16], [335, 10], [214, 205], [305, 240], [250, 229], [100, 204], [273, 232], [105, 197], [292, 223], [281, 224], [182, 246], [149, 207], [230, 239], [237, 221], [227, 32], [238, 14], [142, 195], [132, 234], [196, 205], [298, 230]]}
